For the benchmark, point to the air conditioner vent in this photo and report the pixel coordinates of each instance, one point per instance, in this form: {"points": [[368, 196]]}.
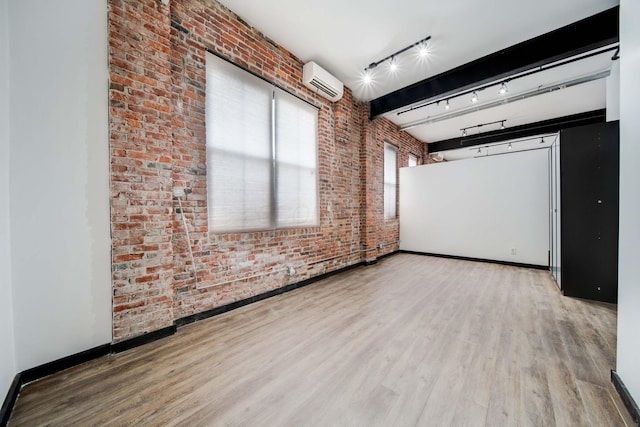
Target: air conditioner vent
{"points": [[321, 82]]}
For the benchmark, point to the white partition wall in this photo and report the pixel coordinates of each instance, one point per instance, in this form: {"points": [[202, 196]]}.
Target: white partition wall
{"points": [[628, 355], [494, 208]]}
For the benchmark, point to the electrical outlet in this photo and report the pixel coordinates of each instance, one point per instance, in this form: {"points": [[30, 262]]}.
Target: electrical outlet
{"points": [[513, 251], [291, 271]]}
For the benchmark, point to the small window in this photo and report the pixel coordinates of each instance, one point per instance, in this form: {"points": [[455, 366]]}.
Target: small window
{"points": [[413, 160], [390, 181]]}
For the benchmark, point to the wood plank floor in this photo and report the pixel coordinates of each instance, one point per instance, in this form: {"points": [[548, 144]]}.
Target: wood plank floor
{"points": [[410, 341]]}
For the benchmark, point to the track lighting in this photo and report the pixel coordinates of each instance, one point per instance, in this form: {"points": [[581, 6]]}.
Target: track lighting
{"points": [[446, 105], [393, 65], [504, 87], [464, 130], [474, 97], [508, 145]]}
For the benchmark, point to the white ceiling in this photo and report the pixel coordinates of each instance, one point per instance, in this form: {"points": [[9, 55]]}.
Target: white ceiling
{"points": [[345, 36]]}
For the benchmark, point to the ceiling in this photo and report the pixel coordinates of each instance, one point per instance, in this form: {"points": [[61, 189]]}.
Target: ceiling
{"points": [[345, 36]]}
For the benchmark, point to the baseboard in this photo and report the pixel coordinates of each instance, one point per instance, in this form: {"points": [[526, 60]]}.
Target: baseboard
{"points": [[50, 368], [237, 304], [491, 261], [143, 339], [626, 397], [10, 400]]}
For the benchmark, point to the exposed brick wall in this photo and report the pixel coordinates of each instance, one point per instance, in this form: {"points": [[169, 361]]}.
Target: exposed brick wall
{"points": [[157, 67], [141, 162], [380, 231]]}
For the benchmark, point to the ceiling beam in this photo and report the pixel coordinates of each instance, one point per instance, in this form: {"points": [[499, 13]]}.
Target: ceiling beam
{"points": [[582, 36], [523, 131]]}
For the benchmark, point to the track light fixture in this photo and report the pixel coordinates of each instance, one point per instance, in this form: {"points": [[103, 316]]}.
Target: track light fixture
{"points": [[464, 130], [474, 97], [446, 105], [423, 52], [503, 83], [503, 89], [507, 145]]}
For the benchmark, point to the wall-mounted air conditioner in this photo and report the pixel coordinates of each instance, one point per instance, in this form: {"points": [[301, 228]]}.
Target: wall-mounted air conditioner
{"points": [[321, 82]]}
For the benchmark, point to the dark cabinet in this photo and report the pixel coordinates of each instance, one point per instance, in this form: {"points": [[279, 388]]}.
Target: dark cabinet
{"points": [[589, 182]]}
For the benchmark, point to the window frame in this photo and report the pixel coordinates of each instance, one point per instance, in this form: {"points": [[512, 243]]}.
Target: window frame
{"points": [[388, 148], [271, 186]]}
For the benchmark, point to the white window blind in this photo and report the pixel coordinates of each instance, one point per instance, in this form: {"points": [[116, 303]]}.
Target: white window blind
{"points": [[390, 173], [261, 153], [296, 162], [413, 160]]}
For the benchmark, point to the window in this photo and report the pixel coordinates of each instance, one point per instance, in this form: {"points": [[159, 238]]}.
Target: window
{"points": [[390, 172], [413, 160], [261, 153]]}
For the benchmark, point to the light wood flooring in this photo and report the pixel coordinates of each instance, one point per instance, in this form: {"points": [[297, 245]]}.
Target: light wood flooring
{"points": [[410, 341]]}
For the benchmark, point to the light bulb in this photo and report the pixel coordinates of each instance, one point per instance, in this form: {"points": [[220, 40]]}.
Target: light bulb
{"points": [[474, 96], [509, 147], [393, 65], [446, 105], [423, 51], [503, 89], [367, 77]]}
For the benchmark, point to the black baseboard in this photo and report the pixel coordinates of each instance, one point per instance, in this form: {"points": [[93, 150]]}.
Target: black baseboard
{"points": [[631, 404], [50, 368], [143, 339], [491, 261], [237, 304], [10, 400]]}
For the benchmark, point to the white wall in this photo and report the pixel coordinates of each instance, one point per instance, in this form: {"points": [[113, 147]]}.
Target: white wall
{"points": [[479, 208], [7, 355], [628, 363], [59, 178]]}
